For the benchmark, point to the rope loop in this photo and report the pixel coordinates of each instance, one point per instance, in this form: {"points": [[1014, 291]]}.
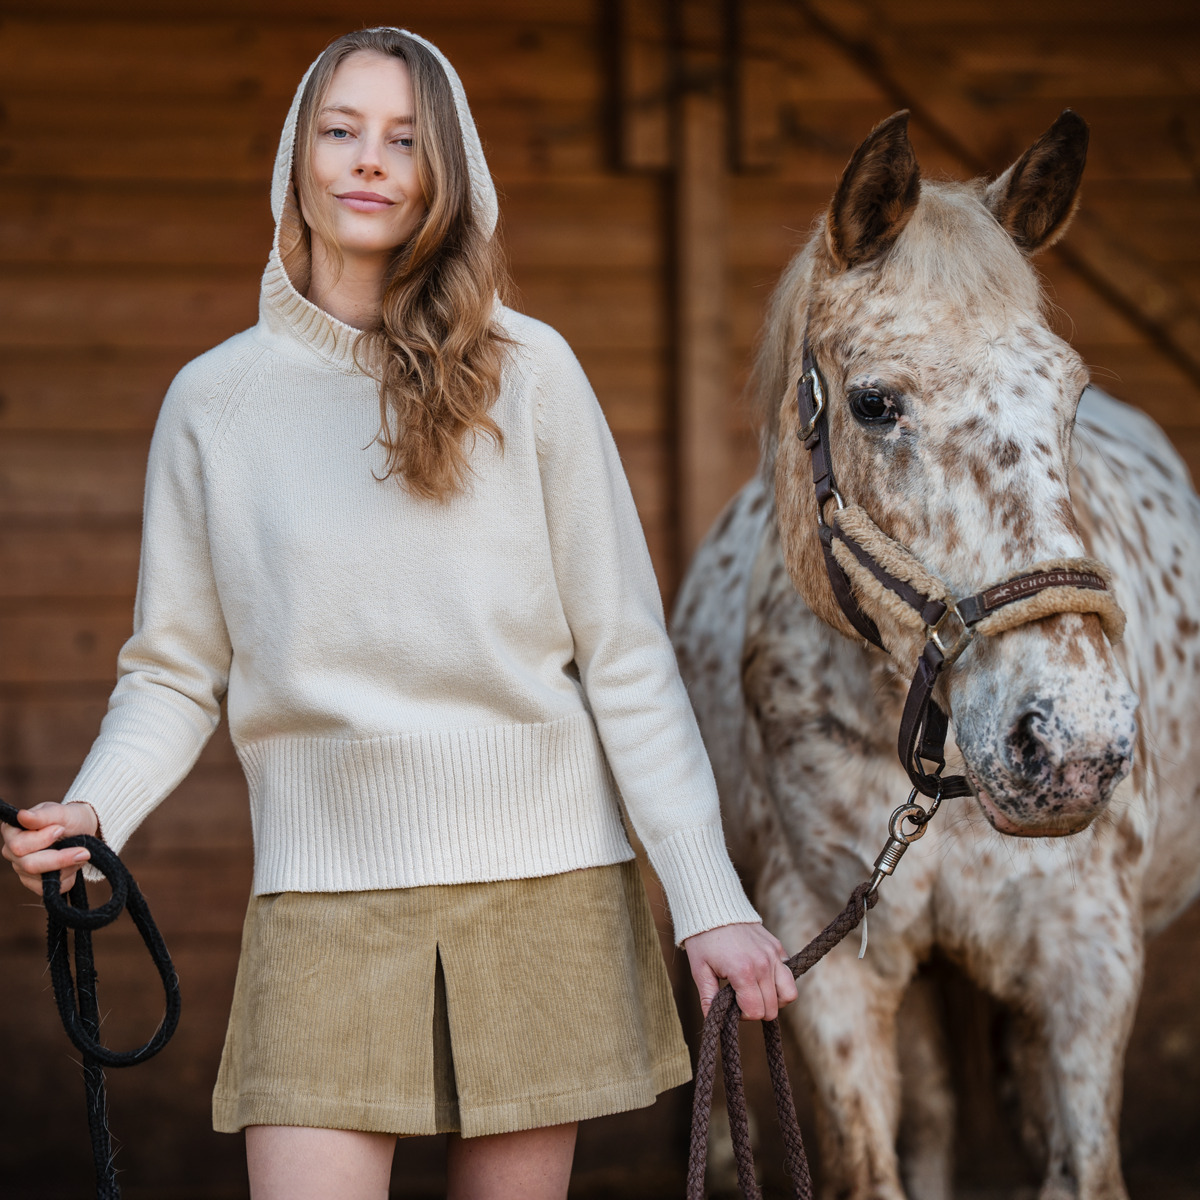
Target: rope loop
{"points": [[75, 996]]}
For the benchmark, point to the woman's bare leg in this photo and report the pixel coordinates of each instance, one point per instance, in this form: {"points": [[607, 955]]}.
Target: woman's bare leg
{"points": [[292, 1163], [534, 1164]]}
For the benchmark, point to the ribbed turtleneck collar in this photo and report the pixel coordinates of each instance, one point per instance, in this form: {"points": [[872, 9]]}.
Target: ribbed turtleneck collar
{"points": [[284, 313]]}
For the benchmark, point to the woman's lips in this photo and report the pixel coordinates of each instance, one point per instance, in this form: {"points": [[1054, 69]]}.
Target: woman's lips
{"points": [[365, 202]]}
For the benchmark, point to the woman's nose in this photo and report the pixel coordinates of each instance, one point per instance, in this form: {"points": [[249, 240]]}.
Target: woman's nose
{"points": [[370, 163]]}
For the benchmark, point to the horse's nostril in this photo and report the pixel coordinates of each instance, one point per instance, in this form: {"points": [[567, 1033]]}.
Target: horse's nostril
{"points": [[1026, 750]]}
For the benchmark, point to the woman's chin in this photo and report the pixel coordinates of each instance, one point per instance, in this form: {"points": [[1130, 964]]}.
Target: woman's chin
{"points": [[365, 236]]}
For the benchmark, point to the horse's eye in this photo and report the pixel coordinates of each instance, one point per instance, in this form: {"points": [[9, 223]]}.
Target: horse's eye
{"points": [[873, 407]]}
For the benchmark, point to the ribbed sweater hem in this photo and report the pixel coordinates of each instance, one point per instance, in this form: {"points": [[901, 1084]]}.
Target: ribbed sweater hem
{"points": [[431, 807]]}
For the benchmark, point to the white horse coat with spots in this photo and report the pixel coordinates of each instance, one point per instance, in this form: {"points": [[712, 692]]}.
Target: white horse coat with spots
{"points": [[954, 422]]}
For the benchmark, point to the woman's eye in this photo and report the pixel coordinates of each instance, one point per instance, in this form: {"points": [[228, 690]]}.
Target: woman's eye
{"points": [[873, 407], [405, 142], [338, 135]]}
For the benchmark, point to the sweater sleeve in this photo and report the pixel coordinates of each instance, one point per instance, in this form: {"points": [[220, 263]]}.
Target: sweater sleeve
{"points": [[173, 671], [626, 662]]}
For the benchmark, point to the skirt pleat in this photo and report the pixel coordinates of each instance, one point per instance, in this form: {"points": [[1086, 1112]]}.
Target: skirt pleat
{"points": [[479, 1008]]}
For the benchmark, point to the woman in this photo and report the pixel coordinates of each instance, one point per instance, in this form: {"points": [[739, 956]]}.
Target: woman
{"points": [[390, 524]]}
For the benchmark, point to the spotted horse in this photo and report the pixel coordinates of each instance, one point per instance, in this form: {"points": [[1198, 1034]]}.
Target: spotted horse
{"points": [[968, 434]]}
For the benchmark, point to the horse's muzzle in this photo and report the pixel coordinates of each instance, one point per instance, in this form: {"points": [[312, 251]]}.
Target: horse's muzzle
{"points": [[1050, 777]]}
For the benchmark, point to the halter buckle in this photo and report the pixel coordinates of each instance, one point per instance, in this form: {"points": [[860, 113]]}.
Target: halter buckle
{"points": [[813, 378], [960, 633]]}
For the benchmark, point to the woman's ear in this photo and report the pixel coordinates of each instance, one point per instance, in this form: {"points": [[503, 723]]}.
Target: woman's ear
{"points": [[1035, 198], [877, 194]]}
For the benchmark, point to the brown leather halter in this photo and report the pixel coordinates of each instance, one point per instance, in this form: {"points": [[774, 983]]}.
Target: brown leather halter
{"points": [[1079, 585]]}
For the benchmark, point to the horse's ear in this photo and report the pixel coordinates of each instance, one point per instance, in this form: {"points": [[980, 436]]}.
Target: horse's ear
{"points": [[1035, 198], [877, 194]]}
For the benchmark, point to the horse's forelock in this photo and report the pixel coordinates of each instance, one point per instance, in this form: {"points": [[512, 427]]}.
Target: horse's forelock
{"points": [[953, 253]]}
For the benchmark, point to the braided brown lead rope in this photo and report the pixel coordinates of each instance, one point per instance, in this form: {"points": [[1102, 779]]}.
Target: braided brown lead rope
{"points": [[721, 1028]]}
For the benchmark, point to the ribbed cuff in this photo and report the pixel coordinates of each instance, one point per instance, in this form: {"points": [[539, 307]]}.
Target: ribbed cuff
{"points": [[703, 889], [119, 797]]}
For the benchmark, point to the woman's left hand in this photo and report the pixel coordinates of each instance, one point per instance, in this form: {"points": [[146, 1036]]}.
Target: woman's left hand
{"points": [[751, 959]]}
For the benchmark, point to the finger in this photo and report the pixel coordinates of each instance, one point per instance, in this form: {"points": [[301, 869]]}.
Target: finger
{"points": [[26, 842], [750, 998], [766, 987], [785, 984], [41, 815], [51, 860], [707, 985]]}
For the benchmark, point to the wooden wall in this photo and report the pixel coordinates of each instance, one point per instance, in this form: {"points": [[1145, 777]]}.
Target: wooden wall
{"points": [[136, 141]]}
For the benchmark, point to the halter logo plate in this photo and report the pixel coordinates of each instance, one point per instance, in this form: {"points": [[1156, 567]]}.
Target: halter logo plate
{"points": [[1030, 585]]}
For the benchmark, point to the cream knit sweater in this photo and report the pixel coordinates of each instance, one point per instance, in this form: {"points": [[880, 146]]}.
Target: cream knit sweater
{"points": [[419, 693]]}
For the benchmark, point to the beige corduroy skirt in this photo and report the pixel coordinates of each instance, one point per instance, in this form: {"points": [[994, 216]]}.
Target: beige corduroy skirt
{"points": [[478, 1007]]}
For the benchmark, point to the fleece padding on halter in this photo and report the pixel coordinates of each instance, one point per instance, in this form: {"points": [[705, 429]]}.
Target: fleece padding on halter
{"points": [[1075, 594], [1080, 585]]}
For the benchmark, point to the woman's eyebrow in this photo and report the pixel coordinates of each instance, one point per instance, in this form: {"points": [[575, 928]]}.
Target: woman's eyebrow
{"points": [[353, 112]]}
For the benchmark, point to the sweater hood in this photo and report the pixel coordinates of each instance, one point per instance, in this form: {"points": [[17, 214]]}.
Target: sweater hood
{"points": [[282, 309]]}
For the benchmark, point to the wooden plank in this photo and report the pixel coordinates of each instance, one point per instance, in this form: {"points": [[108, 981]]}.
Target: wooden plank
{"points": [[702, 326], [631, 388], [187, 312], [360, 14], [499, 58], [767, 226], [85, 389], [63, 643], [1001, 64], [643, 84], [44, 562], [757, 39], [130, 224], [59, 476], [614, 310], [1111, 14], [584, 225]]}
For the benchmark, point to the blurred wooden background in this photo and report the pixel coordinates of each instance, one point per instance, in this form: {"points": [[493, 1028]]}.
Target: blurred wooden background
{"points": [[659, 161]]}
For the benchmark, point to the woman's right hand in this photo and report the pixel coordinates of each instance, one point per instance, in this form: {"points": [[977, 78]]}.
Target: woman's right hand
{"points": [[28, 849]]}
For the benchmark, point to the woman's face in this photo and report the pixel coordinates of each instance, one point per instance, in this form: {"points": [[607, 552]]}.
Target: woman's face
{"points": [[363, 171]]}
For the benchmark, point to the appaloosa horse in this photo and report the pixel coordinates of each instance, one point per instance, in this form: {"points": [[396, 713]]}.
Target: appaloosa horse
{"points": [[967, 432]]}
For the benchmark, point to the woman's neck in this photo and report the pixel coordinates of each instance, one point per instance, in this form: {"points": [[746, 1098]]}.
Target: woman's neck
{"points": [[352, 294]]}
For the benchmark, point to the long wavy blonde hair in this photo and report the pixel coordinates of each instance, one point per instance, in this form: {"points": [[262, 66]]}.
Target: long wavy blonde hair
{"points": [[437, 351]]}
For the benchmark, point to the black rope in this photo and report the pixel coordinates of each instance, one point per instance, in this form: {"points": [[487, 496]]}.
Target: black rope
{"points": [[76, 998]]}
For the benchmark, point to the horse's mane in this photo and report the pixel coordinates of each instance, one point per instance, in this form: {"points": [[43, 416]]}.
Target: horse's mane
{"points": [[952, 253]]}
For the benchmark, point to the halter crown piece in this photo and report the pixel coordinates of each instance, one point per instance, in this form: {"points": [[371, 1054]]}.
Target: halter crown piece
{"points": [[863, 563]]}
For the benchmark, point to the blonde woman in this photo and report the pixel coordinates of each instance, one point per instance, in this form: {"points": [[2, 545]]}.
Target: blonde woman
{"points": [[390, 524]]}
